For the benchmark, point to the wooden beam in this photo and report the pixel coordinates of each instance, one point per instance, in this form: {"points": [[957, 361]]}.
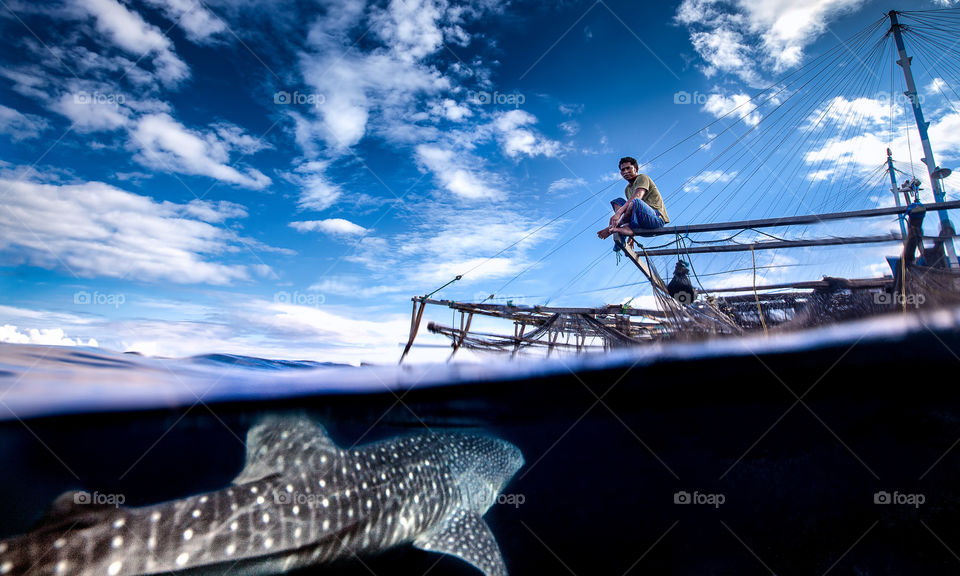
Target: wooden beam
{"points": [[641, 263], [774, 245], [796, 220], [812, 284], [415, 318]]}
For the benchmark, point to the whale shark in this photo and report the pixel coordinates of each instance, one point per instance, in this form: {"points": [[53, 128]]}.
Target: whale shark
{"points": [[299, 500]]}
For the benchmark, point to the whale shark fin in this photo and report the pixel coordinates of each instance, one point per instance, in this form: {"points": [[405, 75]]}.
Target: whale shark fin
{"points": [[74, 509], [465, 535], [276, 442]]}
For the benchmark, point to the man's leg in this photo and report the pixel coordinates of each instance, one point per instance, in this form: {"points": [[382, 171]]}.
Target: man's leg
{"points": [[643, 217], [616, 203]]}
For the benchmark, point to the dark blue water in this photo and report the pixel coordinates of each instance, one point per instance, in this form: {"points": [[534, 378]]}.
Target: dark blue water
{"points": [[788, 448]]}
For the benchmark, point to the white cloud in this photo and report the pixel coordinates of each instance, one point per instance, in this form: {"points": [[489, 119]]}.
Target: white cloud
{"points": [[331, 226], [317, 192], [872, 112], [936, 86], [48, 336], [725, 52], [748, 37], [199, 24], [165, 144], [394, 87], [90, 115], [353, 287], [130, 32], [566, 183], [451, 110], [708, 177], [720, 105], [453, 176], [96, 230], [570, 127], [214, 212], [488, 244], [517, 140], [20, 126]]}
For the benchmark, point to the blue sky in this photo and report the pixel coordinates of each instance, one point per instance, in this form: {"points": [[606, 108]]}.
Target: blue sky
{"points": [[279, 178]]}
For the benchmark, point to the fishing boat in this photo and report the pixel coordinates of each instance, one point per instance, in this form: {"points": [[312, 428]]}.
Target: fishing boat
{"points": [[798, 151]]}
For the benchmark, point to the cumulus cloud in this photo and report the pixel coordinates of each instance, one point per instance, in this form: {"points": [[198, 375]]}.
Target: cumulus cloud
{"points": [[20, 126], [128, 30], [317, 191], [94, 229], [91, 114], [165, 144], [517, 140], [199, 24], [394, 87], [453, 176], [720, 105], [49, 336], [566, 183], [331, 226], [708, 177], [748, 38]]}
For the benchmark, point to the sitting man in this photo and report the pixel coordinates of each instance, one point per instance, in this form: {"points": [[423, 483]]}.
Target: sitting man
{"points": [[643, 208]]}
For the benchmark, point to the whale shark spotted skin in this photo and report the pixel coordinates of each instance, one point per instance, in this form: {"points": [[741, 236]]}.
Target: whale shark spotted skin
{"points": [[300, 500]]}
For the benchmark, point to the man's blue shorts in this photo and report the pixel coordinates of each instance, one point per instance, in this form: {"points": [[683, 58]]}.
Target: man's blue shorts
{"points": [[642, 216]]}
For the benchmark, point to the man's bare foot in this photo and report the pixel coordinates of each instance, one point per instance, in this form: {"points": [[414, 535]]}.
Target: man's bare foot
{"points": [[625, 231], [605, 233]]}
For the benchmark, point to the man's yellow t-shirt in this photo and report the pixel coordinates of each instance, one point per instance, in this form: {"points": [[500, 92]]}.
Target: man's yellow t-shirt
{"points": [[652, 197]]}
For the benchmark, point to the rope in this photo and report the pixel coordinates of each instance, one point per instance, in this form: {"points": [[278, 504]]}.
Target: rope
{"points": [[756, 296]]}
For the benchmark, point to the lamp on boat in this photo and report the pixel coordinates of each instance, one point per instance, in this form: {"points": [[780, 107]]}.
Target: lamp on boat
{"points": [[941, 173]]}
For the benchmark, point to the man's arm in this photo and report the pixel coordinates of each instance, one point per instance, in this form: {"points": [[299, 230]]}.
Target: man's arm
{"points": [[618, 215]]}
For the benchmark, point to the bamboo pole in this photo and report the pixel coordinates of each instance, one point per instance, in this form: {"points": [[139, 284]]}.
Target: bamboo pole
{"points": [[415, 318]]}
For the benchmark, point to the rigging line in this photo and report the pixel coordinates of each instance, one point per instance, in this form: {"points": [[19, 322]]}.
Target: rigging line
{"points": [[782, 81], [550, 253], [909, 145], [940, 43], [540, 228], [945, 46], [818, 135], [773, 118], [721, 273], [595, 290], [861, 121], [937, 84], [582, 273]]}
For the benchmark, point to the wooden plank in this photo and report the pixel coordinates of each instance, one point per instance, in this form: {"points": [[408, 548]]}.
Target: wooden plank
{"points": [[812, 284], [795, 220], [774, 245], [641, 263]]}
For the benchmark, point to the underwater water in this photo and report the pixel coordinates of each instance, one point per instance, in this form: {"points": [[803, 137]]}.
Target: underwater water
{"points": [[832, 451]]}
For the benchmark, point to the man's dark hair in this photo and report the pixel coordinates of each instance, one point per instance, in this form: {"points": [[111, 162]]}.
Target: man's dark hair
{"points": [[628, 160]]}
